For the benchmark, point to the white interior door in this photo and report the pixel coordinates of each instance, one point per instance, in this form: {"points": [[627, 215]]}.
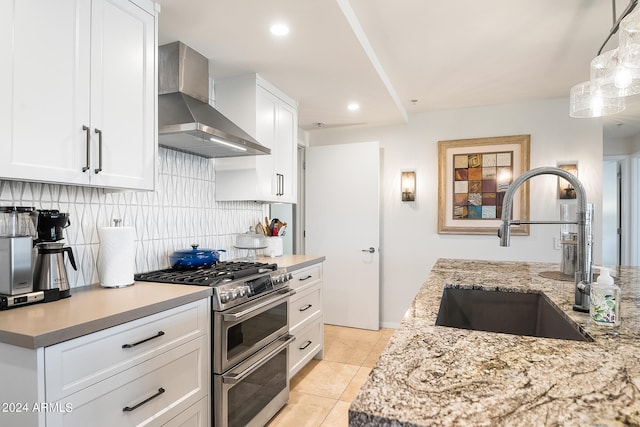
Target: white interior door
{"points": [[342, 223]]}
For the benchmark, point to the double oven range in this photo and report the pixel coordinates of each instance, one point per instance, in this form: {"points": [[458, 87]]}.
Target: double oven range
{"points": [[250, 337]]}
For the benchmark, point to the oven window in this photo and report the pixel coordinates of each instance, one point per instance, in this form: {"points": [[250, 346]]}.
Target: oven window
{"points": [[248, 397], [247, 333]]}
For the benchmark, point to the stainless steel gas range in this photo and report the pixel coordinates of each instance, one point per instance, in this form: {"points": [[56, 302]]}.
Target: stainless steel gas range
{"points": [[250, 337]]}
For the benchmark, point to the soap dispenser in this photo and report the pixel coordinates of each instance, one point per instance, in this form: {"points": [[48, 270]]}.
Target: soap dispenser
{"points": [[604, 306]]}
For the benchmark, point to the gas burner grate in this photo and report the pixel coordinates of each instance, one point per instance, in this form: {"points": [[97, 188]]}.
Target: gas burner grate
{"points": [[222, 271]]}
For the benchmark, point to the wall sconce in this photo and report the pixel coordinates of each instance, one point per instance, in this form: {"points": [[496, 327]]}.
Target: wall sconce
{"points": [[408, 186], [565, 189]]}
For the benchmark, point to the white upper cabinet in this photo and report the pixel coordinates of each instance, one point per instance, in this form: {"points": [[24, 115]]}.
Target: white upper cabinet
{"points": [[271, 117], [78, 92]]}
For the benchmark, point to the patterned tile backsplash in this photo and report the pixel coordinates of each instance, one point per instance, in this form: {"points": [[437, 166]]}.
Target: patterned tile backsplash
{"points": [[181, 211]]}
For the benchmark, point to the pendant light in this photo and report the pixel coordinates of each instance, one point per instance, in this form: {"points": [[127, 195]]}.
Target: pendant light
{"points": [[614, 75], [586, 101]]}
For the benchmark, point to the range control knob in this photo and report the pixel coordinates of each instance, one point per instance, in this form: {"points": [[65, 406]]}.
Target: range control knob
{"points": [[224, 297]]}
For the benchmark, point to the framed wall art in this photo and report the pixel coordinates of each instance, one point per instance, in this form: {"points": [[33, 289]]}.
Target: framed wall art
{"points": [[473, 176]]}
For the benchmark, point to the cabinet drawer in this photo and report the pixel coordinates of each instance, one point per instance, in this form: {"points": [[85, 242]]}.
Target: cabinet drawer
{"points": [[305, 276], [149, 394], [304, 305], [195, 416], [309, 340], [81, 362]]}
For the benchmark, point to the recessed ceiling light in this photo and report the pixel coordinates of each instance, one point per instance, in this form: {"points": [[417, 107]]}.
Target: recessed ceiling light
{"points": [[280, 29], [353, 106]]}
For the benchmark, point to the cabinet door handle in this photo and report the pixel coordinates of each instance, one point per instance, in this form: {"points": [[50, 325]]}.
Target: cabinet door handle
{"points": [[137, 405], [87, 166], [282, 186], [99, 132], [302, 279], [305, 308], [158, 335], [305, 345]]}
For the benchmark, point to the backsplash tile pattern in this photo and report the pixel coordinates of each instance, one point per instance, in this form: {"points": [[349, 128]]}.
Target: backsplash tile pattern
{"points": [[181, 211]]}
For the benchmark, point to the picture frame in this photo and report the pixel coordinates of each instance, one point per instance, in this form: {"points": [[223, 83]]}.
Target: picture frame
{"points": [[473, 175]]}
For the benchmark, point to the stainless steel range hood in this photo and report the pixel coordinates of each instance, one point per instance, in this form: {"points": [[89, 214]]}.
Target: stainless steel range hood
{"points": [[186, 122]]}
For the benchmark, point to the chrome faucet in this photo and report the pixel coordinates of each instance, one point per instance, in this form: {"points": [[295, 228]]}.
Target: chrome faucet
{"points": [[584, 216]]}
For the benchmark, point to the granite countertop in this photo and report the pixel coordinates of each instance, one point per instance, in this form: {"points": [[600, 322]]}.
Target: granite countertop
{"points": [[90, 309], [438, 376]]}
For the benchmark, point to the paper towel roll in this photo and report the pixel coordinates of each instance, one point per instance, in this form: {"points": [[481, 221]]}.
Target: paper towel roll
{"points": [[116, 258]]}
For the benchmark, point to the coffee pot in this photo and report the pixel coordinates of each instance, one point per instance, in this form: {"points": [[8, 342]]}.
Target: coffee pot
{"points": [[17, 230], [50, 274]]}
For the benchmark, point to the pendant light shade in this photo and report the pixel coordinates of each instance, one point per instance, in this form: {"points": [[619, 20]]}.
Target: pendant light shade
{"points": [[629, 41], [615, 74], [612, 77], [586, 100]]}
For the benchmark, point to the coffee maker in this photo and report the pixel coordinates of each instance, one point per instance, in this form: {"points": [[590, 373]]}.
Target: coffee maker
{"points": [[17, 231], [50, 274]]}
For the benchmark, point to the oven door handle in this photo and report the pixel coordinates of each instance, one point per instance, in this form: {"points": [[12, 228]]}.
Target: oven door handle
{"points": [[236, 378], [232, 317]]}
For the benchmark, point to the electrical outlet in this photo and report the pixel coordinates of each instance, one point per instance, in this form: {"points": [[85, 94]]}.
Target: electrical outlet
{"points": [[556, 243]]}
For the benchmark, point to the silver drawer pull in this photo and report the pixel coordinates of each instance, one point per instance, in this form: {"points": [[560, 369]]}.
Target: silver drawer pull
{"points": [[305, 308], [136, 406], [158, 335], [305, 345], [302, 279]]}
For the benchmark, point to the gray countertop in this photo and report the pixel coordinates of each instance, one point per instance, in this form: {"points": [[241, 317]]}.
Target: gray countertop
{"points": [[435, 376], [93, 308], [90, 309]]}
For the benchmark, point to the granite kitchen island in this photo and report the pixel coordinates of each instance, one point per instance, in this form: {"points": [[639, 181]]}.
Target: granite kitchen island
{"points": [[439, 376]]}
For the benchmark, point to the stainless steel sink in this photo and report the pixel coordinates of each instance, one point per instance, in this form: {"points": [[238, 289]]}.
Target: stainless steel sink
{"points": [[516, 313]]}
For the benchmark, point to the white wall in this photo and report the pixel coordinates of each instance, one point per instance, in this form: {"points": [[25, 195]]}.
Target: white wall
{"points": [[410, 243]]}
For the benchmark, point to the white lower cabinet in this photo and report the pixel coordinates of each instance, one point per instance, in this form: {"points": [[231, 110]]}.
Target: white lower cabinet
{"points": [[305, 318], [152, 371], [196, 415], [309, 342], [151, 393]]}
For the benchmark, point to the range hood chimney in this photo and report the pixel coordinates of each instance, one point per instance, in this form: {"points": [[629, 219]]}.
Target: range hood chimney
{"points": [[186, 122]]}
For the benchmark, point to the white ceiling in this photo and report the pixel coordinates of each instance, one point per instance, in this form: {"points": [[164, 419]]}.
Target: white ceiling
{"points": [[385, 53]]}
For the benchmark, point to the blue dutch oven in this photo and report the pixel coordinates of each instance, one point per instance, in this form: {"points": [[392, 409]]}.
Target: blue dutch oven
{"points": [[191, 259]]}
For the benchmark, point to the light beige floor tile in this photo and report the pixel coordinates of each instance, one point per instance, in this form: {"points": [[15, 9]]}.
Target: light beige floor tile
{"points": [[352, 333], [303, 410], [302, 374], [375, 352], [348, 345], [326, 379], [386, 332], [349, 355], [355, 384], [339, 415]]}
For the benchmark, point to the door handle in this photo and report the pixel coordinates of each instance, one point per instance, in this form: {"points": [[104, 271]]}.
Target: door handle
{"points": [[371, 250]]}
